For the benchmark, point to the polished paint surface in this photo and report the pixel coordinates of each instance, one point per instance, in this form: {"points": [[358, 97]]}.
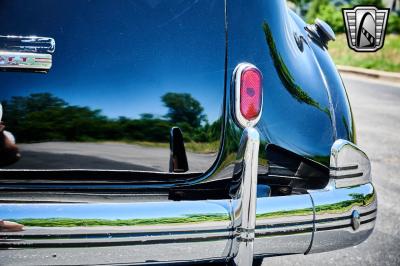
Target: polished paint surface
{"points": [[305, 105], [119, 59]]}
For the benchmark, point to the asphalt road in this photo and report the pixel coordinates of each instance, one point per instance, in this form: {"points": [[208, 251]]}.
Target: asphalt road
{"points": [[376, 109]]}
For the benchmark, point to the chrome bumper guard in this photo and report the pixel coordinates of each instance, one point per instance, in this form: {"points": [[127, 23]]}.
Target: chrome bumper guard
{"points": [[164, 232]]}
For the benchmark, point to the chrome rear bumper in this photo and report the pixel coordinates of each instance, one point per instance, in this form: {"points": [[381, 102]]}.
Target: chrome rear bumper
{"points": [[104, 233], [190, 231]]}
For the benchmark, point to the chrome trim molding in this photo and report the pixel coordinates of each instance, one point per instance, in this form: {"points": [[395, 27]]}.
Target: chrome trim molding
{"points": [[242, 121], [349, 165]]}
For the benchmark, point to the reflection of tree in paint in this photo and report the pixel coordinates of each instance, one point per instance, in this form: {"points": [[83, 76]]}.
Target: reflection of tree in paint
{"points": [[45, 117], [183, 108], [284, 74]]}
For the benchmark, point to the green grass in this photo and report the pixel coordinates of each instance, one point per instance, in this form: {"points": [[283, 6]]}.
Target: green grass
{"points": [[198, 147], [387, 59], [202, 147]]}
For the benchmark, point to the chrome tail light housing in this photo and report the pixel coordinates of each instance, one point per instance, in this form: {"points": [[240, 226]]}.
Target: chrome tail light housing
{"points": [[247, 94]]}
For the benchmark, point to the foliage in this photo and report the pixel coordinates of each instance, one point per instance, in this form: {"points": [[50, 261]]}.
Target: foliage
{"points": [[387, 58], [296, 2], [301, 4], [393, 23], [377, 3], [315, 9], [333, 17], [324, 10]]}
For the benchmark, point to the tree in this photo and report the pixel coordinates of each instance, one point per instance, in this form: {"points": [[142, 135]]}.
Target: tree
{"points": [[332, 16], [146, 116], [393, 23], [43, 116], [19, 106], [315, 9], [327, 12], [183, 108], [300, 5], [377, 3]]}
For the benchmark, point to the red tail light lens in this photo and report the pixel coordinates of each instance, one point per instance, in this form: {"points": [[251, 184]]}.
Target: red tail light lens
{"points": [[250, 93]]}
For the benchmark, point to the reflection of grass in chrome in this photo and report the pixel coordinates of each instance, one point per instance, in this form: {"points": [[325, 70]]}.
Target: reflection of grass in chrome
{"points": [[305, 211], [358, 200], [70, 222], [340, 207]]}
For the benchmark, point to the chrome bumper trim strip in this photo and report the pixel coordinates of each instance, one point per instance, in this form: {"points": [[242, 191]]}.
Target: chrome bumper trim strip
{"points": [[344, 220]]}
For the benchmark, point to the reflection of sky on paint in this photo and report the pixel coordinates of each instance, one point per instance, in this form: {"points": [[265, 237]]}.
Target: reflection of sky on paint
{"points": [[112, 211], [122, 57]]}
